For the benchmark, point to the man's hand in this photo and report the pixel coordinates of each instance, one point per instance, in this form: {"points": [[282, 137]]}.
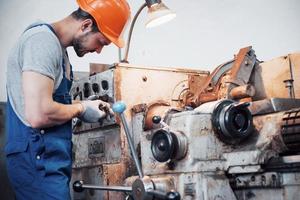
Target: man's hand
{"points": [[94, 111]]}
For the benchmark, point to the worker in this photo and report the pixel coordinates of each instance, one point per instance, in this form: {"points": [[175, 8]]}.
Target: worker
{"points": [[39, 107]]}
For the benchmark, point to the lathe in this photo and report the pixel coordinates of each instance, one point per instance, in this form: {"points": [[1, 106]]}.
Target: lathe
{"points": [[187, 134]]}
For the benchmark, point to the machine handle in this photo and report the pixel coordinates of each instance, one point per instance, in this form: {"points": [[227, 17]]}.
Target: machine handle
{"points": [[120, 107], [78, 186]]}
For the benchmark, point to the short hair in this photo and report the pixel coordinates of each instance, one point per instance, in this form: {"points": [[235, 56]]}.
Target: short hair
{"points": [[80, 14]]}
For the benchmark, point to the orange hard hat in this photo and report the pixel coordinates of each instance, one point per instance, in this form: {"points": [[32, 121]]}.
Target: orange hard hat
{"points": [[111, 17]]}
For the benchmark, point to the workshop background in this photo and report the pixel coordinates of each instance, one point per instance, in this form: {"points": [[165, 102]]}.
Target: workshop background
{"points": [[204, 34]]}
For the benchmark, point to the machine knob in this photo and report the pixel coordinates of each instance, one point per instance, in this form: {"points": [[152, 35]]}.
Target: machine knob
{"points": [[173, 195], [156, 119], [119, 107], [77, 186]]}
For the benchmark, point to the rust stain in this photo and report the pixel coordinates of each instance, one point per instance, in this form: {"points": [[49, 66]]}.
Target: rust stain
{"points": [[139, 108], [117, 83], [238, 61]]}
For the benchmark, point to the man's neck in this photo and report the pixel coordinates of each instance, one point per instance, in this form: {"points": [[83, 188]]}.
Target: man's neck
{"points": [[65, 30]]}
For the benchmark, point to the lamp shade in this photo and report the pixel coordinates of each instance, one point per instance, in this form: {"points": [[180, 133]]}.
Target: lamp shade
{"points": [[158, 14]]}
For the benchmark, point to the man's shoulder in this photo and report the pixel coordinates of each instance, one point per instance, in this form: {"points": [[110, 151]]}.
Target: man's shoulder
{"points": [[39, 31]]}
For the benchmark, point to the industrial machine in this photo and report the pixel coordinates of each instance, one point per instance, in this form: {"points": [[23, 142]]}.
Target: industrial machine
{"points": [[186, 134]]}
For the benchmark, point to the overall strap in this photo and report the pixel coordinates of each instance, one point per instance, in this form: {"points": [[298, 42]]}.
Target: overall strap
{"points": [[40, 24], [53, 31]]}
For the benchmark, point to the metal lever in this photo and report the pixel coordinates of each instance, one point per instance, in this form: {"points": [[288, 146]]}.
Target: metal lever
{"points": [[119, 107], [242, 105], [157, 120], [78, 186]]}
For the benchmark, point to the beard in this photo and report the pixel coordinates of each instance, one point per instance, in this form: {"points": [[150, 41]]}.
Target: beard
{"points": [[78, 45]]}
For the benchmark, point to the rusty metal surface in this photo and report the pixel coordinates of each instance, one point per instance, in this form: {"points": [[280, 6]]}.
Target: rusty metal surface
{"points": [[272, 105], [255, 80], [115, 175], [242, 67], [269, 77], [269, 128], [209, 85], [205, 168], [102, 145], [243, 91], [225, 77], [240, 73]]}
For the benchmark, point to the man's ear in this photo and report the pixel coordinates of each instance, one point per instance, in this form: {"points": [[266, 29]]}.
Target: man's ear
{"points": [[86, 25]]}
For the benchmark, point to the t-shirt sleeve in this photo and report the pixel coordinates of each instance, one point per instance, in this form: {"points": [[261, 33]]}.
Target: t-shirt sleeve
{"points": [[41, 53]]}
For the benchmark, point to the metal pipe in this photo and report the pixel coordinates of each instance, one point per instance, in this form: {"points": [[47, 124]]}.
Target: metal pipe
{"points": [[291, 88], [110, 188], [133, 152], [125, 59], [78, 186]]}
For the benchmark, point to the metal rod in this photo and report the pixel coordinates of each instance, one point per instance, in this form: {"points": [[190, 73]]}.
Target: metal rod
{"points": [[120, 54], [133, 152], [110, 188], [125, 59], [292, 91]]}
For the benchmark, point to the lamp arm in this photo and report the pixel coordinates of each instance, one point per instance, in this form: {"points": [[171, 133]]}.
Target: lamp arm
{"points": [[130, 32]]}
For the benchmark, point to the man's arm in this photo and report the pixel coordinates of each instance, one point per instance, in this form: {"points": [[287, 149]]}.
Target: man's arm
{"points": [[40, 109]]}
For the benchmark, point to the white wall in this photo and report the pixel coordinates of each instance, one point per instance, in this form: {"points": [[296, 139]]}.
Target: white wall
{"points": [[205, 33]]}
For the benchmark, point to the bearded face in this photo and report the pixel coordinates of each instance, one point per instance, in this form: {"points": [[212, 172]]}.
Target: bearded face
{"points": [[80, 44], [89, 42]]}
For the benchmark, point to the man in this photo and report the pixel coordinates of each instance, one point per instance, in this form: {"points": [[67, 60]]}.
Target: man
{"points": [[39, 77]]}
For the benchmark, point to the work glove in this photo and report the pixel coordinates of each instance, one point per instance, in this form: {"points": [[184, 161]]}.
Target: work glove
{"points": [[94, 111]]}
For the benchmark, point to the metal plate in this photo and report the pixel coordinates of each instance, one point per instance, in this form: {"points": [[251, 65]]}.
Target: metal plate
{"points": [[97, 146]]}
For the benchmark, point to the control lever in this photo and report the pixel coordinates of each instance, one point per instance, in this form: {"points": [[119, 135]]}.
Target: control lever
{"points": [[156, 119], [78, 186], [119, 108], [242, 105]]}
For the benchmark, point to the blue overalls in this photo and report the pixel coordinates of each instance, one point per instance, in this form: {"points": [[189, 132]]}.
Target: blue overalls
{"points": [[39, 160]]}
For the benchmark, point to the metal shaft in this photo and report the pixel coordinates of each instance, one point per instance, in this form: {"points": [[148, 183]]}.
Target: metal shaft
{"points": [[110, 188], [291, 89], [131, 146]]}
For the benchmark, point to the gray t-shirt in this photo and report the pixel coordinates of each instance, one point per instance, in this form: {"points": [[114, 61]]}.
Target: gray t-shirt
{"points": [[38, 50]]}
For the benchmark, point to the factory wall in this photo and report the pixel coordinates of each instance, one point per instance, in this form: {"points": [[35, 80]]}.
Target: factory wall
{"points": [[205, 33]]}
